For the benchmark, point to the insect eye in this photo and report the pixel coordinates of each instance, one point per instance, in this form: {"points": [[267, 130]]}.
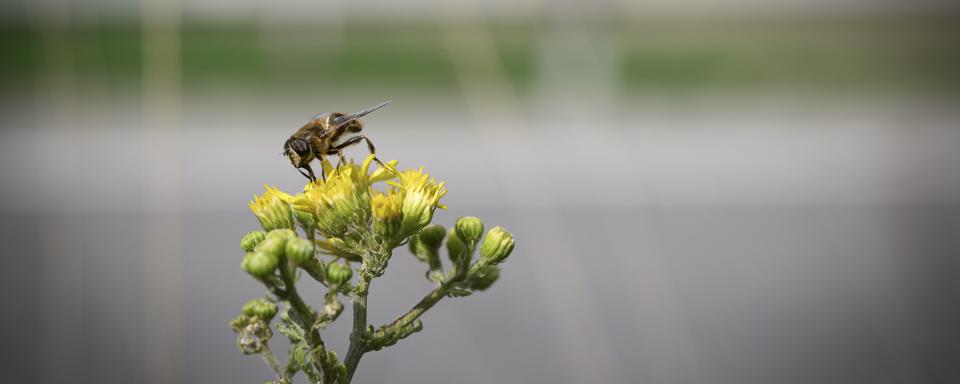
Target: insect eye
{"points": [[300, 146]]}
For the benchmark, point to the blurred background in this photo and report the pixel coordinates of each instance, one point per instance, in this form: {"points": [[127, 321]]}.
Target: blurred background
{"points": [[736, 191]]}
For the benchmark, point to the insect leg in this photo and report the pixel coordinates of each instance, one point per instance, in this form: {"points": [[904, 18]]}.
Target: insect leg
{"points": [[309, 176], [357, 139], [323, 172]]}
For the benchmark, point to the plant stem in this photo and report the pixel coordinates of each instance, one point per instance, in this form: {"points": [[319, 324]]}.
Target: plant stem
{"points": [[290, 291], [414, 313], [307, 318], [271, 360], [357, 347]]}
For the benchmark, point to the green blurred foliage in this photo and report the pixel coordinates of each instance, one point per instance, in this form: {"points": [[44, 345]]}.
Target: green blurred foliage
{"points": [[660, 56]]}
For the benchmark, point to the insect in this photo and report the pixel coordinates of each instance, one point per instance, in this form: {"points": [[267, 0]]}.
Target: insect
{"points": [[321, 136]]}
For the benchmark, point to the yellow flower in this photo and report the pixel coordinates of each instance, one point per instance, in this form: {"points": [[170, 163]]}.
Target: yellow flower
{"points": [[342, 203], [387, 212], [421, 197], [386, 206], [345, 205], [272, 209]]}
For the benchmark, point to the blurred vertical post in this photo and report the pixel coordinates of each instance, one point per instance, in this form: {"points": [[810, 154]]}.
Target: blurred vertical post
{"points": [[488, 91], [163, 253], [62, 273]]}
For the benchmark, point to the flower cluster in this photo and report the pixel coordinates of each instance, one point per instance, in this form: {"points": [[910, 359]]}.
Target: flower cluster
{"points": [[359, 214], [346, 204]]}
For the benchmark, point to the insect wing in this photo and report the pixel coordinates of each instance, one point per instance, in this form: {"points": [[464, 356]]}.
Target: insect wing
{"points": [[339, 121]]}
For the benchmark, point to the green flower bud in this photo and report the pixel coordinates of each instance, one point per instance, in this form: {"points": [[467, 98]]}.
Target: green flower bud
{"points": [[273, 245], [261, 308], [267, 310], [432, 236], [483, 278], [418, 249], [497, 245], [298, 250], [456, 249], [260, 264], [339, 273], [283, 233], [251, 239], [469, 229], [238, 323]]}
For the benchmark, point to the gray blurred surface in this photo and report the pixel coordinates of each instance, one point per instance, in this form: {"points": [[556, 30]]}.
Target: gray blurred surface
{"points": [[668, 252], [697, 199]]}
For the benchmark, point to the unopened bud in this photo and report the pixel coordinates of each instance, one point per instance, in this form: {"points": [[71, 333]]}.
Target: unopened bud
{"points": [[298, 250], [469, 229], [456, 249], [261, 308], [283, 233], [238, 323], [418, 249], [260, 264], [497, 245], [483, 278], [339, 273], [251, 239], [432, 236], [272, 245]]}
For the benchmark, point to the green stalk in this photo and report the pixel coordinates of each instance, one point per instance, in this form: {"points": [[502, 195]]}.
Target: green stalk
{"points": [[414, 313], [307, 317], [357, 346]]}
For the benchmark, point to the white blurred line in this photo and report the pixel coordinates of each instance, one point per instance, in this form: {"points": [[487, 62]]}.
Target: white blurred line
{"points": [[162, 192], [488, 93]]}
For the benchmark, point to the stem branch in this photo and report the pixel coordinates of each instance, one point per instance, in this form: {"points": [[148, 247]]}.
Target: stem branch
{"points": [[414, 313], [271, 360], [307, 317], [357, 347]]}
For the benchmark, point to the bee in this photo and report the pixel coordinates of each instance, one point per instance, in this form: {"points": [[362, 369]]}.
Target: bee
{"points": [[321, 136]]}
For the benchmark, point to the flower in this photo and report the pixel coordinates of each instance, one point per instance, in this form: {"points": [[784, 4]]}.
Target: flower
{"points": [[341, 204], [272, 209], [387, 213], [421, 197], [347, 207]]}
